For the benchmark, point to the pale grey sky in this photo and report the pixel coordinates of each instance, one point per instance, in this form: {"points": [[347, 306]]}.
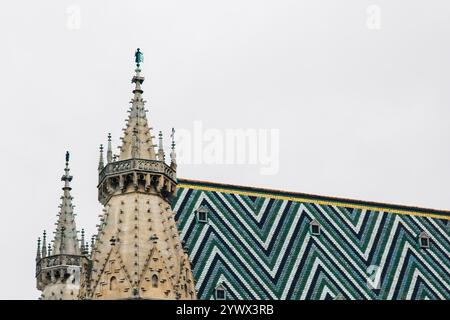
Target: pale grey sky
{"points": [[362, 113]]}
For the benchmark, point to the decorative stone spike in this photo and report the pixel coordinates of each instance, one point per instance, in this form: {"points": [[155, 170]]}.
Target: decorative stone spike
{"points": [[109, 151], [101, 163], [161, 155], [92, 243], [44, 244], [83, 249], [38, 253], [173, 156]]}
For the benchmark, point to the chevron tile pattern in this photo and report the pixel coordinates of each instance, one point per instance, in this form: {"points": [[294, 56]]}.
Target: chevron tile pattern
{"points": [[262, 247]]}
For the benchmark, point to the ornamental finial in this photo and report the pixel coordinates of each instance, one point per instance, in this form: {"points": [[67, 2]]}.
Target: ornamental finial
{"points": [[44, 244], [82, 246], [173, 155], [138, 57], [160, 147], [67, 177], [109, 152], [38, 253], [92, 243], [172, 136], [101, 164]]}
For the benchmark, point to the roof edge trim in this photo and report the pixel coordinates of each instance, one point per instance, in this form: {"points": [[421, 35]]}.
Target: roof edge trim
{"points": [[310, 198]]}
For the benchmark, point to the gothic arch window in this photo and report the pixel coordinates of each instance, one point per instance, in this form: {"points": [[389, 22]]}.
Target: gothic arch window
{"points": [[113, 283], [155, 281]]}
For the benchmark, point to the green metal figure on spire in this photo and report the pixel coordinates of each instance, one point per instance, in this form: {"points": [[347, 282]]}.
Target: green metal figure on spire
{"points": [[138, 57]]}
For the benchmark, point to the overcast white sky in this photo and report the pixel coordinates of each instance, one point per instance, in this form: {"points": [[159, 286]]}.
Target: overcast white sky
{"points": [[362, 113]]}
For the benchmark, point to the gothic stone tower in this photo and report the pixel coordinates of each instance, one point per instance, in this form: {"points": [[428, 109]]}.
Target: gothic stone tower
{"points": [[137, 253], [58, 269]]}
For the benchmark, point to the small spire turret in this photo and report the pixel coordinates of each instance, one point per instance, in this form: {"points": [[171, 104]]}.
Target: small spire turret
{"points": [[101, 164], [83, 248], [109, 151], [173, 155], [38, 253], [44, 244], [161, 155], [92, 243]]}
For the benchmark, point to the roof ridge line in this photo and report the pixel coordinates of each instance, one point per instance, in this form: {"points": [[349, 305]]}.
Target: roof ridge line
{"points": [[290, 195]]}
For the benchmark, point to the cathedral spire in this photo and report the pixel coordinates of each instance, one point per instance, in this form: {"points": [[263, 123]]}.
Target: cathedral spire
{"points": [[137, 140], [136, 192], [66, 241]]}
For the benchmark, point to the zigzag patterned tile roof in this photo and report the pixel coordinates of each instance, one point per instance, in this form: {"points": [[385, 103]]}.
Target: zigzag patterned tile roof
{"points": [[258, 244]]}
